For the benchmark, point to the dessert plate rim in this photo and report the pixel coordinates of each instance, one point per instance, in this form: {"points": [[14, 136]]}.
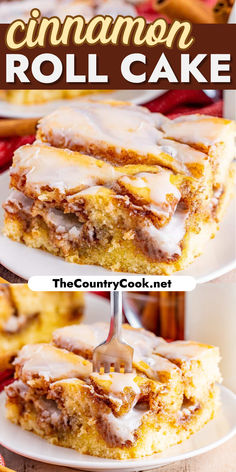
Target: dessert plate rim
{"points": [[32, 444], [138, 97]]}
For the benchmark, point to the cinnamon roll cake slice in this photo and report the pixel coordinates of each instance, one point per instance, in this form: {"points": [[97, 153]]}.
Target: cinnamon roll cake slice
{"points": [[116, 415], [112, 184]]}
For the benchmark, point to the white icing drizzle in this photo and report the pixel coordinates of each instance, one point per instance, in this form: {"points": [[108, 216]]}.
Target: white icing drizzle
{"points": [[70, 172], [51, 363], [123, 427], [183, 153], [168, 238], [20, 201], [160, 120], [17, 387], [117, 382], [131, 128], [196, 129], [123, 126], [63, 223], [153, 365], [64, 381], [81, 337], [141, 340], [183, 350], [156, 210], [60, 169], [159, 185], [187, 411], [49, 412], [87, 337]]}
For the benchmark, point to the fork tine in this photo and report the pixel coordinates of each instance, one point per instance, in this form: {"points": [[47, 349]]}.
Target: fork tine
{"points": [[128, 367], [117, 366], [114, 355], [97, 366], [106, 367]]}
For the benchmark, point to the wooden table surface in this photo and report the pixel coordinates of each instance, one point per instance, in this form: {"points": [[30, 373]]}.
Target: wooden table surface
{"points": [[222, 459], [9, 276]]}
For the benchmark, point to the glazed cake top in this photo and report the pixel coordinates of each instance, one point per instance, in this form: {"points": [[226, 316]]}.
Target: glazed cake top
{"points": [[116, 123], [111, 128], [186, 350], [152, 354], [50, 363], [84, 338], [119, 403], [156, 380], [59, 169], [116, 382], [199, 129]]}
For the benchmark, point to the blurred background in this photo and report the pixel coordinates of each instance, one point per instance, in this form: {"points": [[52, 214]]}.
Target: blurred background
{"points": [[196, 11]]}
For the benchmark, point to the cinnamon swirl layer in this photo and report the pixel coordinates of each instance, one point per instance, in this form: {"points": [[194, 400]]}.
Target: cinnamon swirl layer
{"points": [[103, 227]]}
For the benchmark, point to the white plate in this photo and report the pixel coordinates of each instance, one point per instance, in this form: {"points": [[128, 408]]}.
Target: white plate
{"points": [[215, 433], [9, 110], [219, 256]]}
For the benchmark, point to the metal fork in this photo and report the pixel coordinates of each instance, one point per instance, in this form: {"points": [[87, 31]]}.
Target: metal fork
{"points": [[114, 355]]}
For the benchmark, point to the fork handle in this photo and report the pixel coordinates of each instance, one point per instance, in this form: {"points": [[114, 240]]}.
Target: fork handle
{"points": [[116, 315]]}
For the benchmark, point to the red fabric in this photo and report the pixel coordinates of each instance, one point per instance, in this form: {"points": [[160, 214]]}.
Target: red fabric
{"points": [[102, 294], [179, 102], [2, 461], [8, 146], [5, 378], [146, 10]]}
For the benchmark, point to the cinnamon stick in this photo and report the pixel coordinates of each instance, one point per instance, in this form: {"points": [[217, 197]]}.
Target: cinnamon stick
{"points": [[172, 329], [21, 127], [222, 10], [181, 314], [150, 315], [191, 10], [164, 314]]}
